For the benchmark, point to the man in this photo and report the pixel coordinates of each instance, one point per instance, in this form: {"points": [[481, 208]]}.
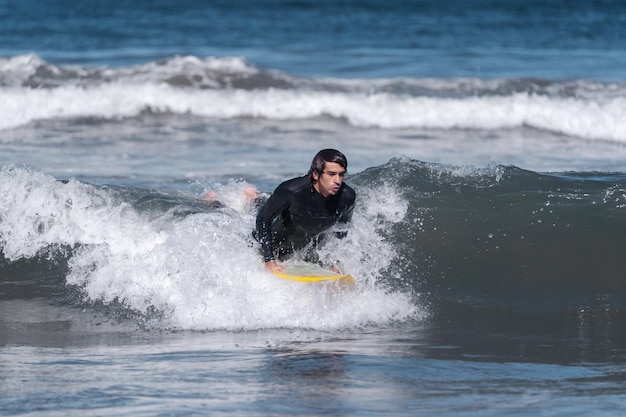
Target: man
{"points": [[301, 209]]}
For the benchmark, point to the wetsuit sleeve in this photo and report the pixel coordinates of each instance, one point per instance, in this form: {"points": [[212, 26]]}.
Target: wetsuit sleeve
{"points": [[274, 205]]}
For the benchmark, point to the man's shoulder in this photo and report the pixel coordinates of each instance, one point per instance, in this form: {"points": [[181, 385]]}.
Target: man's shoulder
{"points": [[294, 185]]}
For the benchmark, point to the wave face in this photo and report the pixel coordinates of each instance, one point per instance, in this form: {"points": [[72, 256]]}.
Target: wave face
{"points": [[231, 88], [504, 229], [501, 253], [420, 230]]}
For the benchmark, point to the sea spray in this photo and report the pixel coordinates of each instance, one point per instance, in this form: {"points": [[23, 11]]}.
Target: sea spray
{"points": [[40, 213]]}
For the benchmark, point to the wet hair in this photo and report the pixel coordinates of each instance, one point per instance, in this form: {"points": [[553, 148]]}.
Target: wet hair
{"points": [[327, 155]]}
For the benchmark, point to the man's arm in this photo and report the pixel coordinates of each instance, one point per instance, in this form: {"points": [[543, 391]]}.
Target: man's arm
{"points": [[264, 236], [272, 208]]}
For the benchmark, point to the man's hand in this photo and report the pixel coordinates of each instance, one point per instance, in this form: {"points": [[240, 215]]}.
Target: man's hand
{"points": [[273, 266], [335, 269]]}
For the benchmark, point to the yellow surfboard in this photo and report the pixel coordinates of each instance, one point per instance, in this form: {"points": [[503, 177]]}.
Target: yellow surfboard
{"points": [[310, 273]]}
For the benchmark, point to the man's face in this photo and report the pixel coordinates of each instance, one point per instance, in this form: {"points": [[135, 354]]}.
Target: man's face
{"points": [[329, 182]]}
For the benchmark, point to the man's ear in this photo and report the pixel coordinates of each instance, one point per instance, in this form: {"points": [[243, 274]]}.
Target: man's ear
{"points": [[315, 175]]}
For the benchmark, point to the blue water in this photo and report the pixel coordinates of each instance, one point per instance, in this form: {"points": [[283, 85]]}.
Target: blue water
{"points": [[487, 39], [486, 142]]}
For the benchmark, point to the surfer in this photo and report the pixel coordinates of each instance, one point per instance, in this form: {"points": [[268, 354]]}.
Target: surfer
{"points": [[301, 209]]}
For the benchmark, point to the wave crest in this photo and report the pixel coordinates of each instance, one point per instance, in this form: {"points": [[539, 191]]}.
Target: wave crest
{"points": [[227, 88]]}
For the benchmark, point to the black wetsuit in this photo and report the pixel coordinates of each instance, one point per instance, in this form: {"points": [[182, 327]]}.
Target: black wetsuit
{"points": [[296, 214]]}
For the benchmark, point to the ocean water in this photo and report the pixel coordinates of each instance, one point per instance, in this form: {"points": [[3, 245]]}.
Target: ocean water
{"points": [[487, 145]]}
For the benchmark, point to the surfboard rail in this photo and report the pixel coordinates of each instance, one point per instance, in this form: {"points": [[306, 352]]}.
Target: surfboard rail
{"points": [[309, 273]]}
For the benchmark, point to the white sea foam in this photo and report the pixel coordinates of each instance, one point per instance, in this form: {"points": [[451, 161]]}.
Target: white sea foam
{"points": [[14, 70], [38, 212], [30, 69], [602, 119], [206, 88], [200, 271]]}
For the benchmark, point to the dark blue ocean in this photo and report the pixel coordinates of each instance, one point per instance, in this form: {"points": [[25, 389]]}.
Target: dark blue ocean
{"points": [[486, 141]]}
